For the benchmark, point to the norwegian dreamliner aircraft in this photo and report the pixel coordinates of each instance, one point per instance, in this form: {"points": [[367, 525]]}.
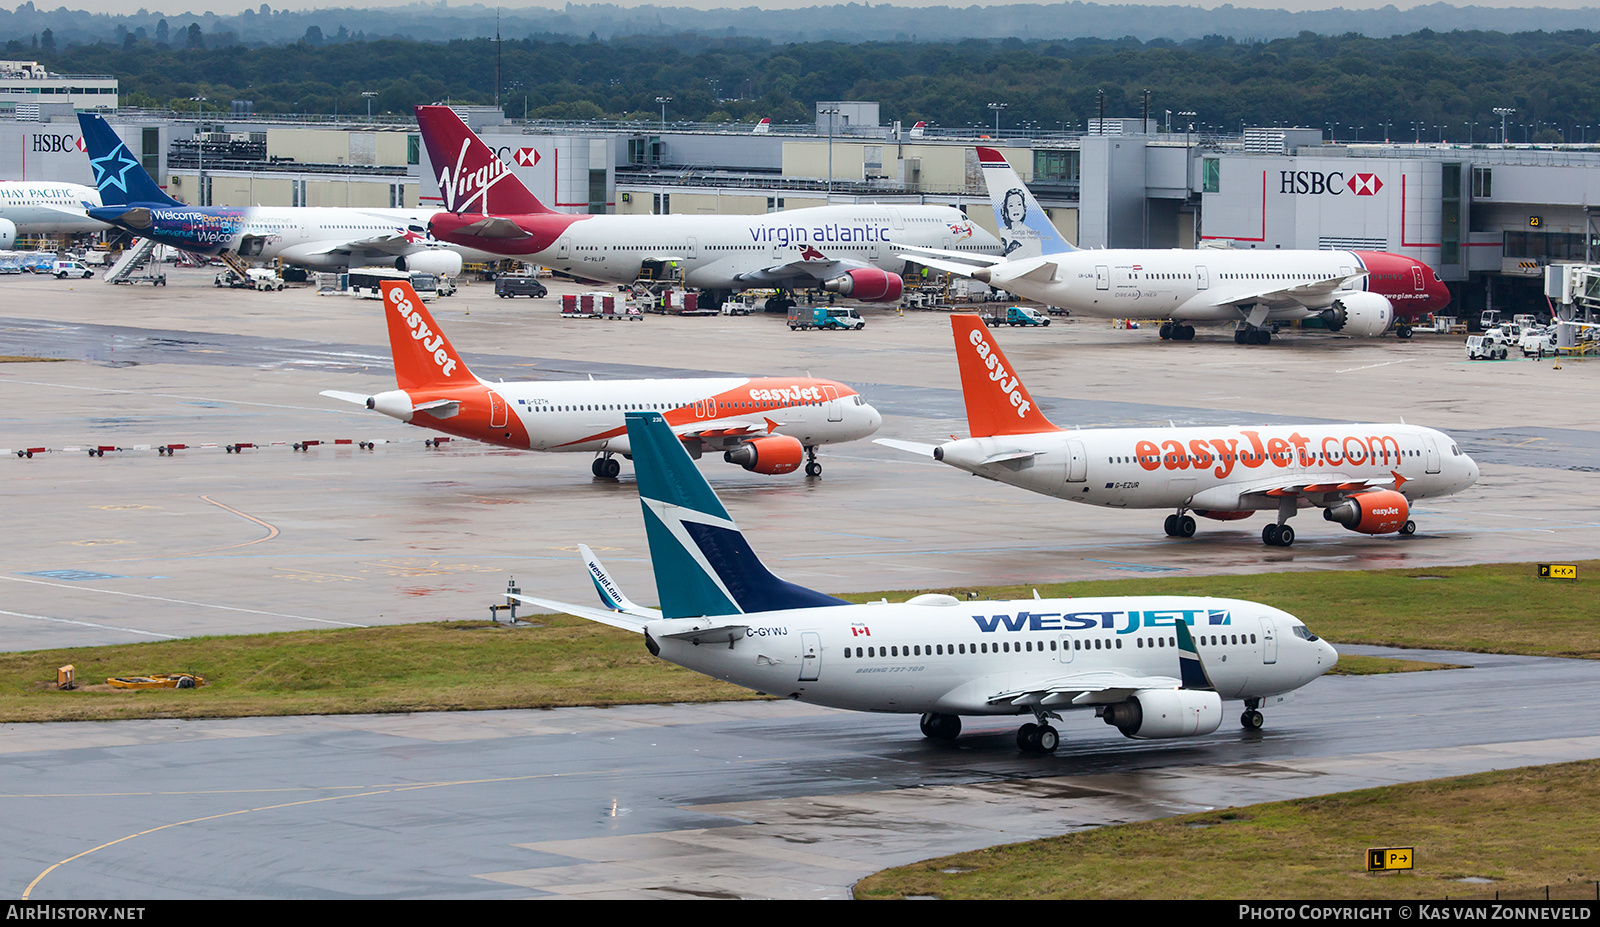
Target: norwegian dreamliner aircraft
{"points": [[1364, 477], [306, 236], [765, 424], [1152, 666], [45, 208], [1361, 292], [843, 249]]}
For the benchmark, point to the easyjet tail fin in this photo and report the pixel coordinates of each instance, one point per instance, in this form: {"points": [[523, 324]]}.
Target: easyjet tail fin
{"points": [[703, 565], [997, 402], [121, 179], [1025, 230], [423, 356], [472, 178]]}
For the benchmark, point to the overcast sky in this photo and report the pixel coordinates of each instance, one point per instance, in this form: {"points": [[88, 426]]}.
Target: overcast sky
{"points": [[237, 6]]}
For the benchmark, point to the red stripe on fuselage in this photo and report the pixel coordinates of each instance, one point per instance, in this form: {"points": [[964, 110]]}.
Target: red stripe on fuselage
{"points": [[755, 396]]}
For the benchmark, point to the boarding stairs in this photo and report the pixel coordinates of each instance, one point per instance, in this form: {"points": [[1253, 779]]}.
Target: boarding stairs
{"points": [[131, 268]]}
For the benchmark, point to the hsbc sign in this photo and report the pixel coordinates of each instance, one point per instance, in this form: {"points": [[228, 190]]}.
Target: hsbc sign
{"points": [[1333, 183]]}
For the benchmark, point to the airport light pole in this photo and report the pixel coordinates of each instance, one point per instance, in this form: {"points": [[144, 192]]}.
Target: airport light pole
{"points": [[997, 107], [369, 94], [1188, 117], [663, 101], [200, 150], [1503, 112], [830, 112]]}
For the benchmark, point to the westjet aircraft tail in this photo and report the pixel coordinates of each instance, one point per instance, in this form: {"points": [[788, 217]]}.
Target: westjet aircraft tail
{"points": [[1025, 230], [472, 178], [997, 402], [703, 564], [117, 173]]}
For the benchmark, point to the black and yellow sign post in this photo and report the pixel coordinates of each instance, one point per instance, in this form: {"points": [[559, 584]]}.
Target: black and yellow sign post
{"points": [[1558, 571], [1389, 859]]}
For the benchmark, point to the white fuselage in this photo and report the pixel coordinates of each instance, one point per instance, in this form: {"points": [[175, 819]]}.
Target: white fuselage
{"points": [[325, 236], [1191, 285], [587, 415], [1223, 468], [739, 252], [45, 208], [957, 657]]}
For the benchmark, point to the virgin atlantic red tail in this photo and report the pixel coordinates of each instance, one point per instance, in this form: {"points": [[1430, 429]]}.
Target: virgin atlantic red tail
{"points": [[472, 179]]}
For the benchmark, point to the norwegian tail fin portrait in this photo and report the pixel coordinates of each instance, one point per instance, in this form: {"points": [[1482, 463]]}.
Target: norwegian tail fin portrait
{"points": [[1025, 230]]}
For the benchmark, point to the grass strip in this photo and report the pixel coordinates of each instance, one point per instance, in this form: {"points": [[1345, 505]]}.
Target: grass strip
{"points": [[1519, 829], [470, 665]]}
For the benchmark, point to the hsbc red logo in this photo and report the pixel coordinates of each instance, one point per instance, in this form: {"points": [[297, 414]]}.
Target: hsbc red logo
{"points": [[526, 157], [1333, 183], [1365, 184]]}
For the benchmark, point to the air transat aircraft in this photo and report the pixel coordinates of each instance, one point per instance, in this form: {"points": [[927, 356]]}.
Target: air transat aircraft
{"points": [[764, 424], [1364, 477], [843, 249], [307, 236], [45, 208], [1153, 666], [1359, 292]]}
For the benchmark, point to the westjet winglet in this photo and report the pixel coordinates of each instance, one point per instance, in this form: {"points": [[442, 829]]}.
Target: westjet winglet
{"points": [[1365, 477], [766, 424], [1152, 666], [1357, 292]]}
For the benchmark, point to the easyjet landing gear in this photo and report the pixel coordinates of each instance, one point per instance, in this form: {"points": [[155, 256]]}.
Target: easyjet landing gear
{"points": [[940, 726], [812, 467], [1038, 736], [1252, 719], [1176, 331], [606, 467], [1180, 525], [1276, 535]]}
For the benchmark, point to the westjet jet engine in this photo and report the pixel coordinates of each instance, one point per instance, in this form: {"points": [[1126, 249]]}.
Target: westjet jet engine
{"points": [[1365, 314], [436, 261], [1154, 713], [1380, 511], [771, 454], [868, 284], [8, 234]]}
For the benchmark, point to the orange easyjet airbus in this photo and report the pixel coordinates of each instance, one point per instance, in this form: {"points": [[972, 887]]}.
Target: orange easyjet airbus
{"points": [[1365, 477], [766, 424]]}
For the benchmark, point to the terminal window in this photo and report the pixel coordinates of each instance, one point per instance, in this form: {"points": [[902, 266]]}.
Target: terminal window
{"points": [[1482, 183], [1211, 175]]}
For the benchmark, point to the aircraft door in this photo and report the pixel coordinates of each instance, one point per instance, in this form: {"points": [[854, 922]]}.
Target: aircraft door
{"points": [[1416, 280], [561, 253], [497, 410], [1202, 278], [835, 407], [1102, 277], [1077, 462], [1066, 648], [810, 656], [1350, 285], [1269, 640], [1430, 452], [692, 248]]}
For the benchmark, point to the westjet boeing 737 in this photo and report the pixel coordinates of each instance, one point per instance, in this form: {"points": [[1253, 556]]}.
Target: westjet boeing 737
{"points": [[1152, 666]]}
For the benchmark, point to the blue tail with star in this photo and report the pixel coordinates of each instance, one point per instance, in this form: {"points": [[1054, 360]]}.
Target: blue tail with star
{"points": [[122, 180], [702, 562]]}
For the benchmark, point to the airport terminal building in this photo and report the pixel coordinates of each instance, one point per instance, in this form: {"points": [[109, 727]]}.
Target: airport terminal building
{"points": [[1488, 218]]}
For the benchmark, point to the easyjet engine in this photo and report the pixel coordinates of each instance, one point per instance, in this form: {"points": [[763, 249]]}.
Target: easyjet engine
{"points": [[769, 454], [1155, 713], [868, 284], [8, 234], [433, 261], [1365, 314], [1380, 511]]}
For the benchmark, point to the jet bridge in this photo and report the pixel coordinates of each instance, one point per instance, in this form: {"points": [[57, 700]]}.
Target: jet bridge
{"points": [[1574, 294]]}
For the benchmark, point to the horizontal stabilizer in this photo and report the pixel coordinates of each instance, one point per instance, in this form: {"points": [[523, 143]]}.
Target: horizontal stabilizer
{"points": [[360, 399], [439, 408], [971, 258], [599, 615], [925, 450], [722, 634]]}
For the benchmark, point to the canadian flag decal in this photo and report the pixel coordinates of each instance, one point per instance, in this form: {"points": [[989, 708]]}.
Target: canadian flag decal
{"points": [[1365, 184]]}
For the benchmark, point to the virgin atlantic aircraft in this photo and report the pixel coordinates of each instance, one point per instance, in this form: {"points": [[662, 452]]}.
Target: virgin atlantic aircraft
{"points": [[842, 249]]}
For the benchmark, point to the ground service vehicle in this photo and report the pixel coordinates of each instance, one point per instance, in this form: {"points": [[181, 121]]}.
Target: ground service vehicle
{"points": [[1488, 346], [509, 287], [65, 269], [1022, 315], [808, 317]]}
